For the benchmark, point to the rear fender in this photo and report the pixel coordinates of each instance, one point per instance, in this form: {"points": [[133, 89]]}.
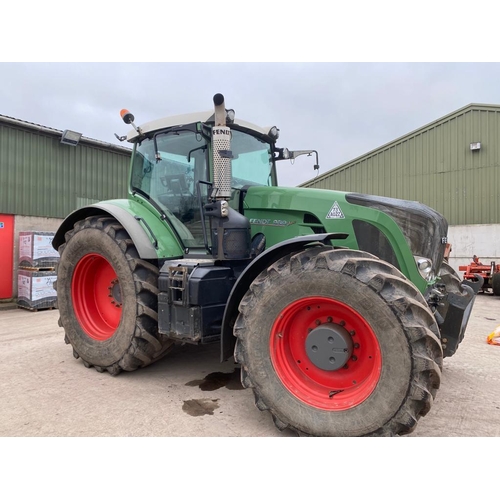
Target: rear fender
{"points": [[263, 261], [145, 241]]}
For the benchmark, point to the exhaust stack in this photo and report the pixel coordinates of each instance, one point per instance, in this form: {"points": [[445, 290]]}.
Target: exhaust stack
{"points": [[221, 146], [231, 234]]}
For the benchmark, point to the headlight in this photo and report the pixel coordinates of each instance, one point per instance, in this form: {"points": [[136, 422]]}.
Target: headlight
{"points": [[274, 133], [230, 115], [424, 266]]}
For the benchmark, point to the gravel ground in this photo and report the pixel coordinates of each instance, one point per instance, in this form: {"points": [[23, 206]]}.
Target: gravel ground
{"points": [[46, 392]]}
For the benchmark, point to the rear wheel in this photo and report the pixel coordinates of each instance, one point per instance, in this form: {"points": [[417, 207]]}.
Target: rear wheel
{"points": [[338, 343], [107, 297]]}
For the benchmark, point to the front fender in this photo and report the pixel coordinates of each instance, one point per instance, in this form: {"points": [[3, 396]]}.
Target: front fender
{"points": [[151, 237], [263, 261]]}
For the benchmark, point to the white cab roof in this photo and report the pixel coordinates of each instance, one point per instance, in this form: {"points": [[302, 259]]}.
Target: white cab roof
{"points": [[185, 119]]}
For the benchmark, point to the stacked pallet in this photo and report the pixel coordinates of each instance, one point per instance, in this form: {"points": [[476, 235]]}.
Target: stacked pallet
{"points": [[36, 271]]}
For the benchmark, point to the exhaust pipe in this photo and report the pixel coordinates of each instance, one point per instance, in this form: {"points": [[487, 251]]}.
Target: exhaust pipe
{"points": [[221, 147], [231, 234]]}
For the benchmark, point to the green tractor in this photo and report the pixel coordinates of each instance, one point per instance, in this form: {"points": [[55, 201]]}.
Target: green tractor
{"points": [[337, 306]]}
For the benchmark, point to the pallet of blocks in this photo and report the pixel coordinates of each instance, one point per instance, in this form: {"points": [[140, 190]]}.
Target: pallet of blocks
{"points": [[35, 289], [36, 271], [36, 251]]}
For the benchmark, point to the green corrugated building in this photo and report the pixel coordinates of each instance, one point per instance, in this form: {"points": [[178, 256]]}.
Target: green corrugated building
{"points": [[44, 177], [451, 165]]}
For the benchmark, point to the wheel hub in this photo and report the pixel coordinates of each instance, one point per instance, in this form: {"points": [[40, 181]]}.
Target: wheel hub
{"points": [[329, 346], [115, 293]]}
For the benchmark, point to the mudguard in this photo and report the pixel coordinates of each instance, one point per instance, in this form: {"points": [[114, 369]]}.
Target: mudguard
{"points": [[141, 225], [261, 262]]}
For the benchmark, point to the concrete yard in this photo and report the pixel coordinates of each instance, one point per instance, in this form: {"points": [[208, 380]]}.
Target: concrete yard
{"points": [[44, 391]]}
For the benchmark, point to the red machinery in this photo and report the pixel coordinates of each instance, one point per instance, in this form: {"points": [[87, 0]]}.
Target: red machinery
{"points": [[490, 274]]}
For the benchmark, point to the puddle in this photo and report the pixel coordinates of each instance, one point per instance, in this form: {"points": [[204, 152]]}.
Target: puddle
{"points": [[200, 407], [216, 380]]}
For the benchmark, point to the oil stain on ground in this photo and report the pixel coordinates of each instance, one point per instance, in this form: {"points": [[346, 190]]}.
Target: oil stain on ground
{"points": [[216, 380], [200, 407]]}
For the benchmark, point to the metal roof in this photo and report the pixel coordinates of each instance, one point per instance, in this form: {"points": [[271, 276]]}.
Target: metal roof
{"points": [[8, 120], [439, 121]]}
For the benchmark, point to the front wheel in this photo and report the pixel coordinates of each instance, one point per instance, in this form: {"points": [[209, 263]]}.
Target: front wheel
{"points": [[108, 298], [338, 343]]}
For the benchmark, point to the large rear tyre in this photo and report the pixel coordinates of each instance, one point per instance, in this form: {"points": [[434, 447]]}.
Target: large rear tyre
{"points": [[108, 298], [338, 343]]}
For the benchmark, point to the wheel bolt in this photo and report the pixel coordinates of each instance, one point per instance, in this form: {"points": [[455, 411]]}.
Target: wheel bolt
{"points": [[354, 358], [352, 333], [329, 319], [346, 366], [356, 346], [318, 322], [342, 323]]}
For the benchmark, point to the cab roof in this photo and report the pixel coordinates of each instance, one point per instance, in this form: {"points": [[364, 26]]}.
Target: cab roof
{"points": [[185, 119]]}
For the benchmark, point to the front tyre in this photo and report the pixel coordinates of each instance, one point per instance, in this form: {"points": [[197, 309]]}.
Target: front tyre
{"points": [[107, 297], [338, 343]]}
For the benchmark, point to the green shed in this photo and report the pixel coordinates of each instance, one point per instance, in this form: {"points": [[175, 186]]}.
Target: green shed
{"points": [[451, 164], [43, 175]]}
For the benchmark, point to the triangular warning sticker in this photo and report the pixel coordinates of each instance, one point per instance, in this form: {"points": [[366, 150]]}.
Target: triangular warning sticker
{"points": [[335, 212]]}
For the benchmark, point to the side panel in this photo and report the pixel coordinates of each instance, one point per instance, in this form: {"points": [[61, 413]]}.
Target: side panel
{"points": [[6, 255], [283, 213]]}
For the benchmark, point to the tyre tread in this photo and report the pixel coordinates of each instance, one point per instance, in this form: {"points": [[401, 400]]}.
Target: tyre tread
{"points": [[399, 293], [146, 345]]}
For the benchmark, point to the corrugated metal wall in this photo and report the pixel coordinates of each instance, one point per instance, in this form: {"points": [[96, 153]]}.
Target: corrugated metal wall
{"points": [[39, 176], [434, 165]]}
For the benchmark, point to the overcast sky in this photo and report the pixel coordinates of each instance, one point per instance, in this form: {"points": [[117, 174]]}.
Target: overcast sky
{"points": [[342, 110]]}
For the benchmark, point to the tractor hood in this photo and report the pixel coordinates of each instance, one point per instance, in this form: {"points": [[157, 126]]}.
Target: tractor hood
{"points": [[395, 230]]}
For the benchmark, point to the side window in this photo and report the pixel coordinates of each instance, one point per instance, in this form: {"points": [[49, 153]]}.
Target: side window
{"points": [[252, 162]]}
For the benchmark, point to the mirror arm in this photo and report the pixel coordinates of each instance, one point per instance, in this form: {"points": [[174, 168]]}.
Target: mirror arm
{"points": [[285, 154]]}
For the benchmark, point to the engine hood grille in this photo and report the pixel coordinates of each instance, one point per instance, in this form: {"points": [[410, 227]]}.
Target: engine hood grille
{"points": [[425, 229]]}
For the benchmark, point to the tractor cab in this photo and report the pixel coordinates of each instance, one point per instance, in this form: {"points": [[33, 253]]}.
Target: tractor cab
{"points": [[172, 167]]}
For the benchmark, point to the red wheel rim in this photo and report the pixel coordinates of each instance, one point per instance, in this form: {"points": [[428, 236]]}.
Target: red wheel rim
{"points": [[96, 296], [336, 390]]}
